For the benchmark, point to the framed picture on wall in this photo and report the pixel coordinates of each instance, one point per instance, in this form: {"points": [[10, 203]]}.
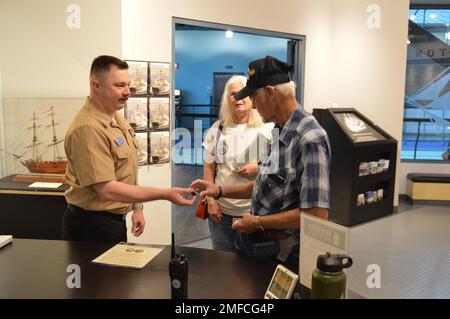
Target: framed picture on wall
{"points": [[160, 147], [136, 112], [139, 77], [159, 113], [159, 79]]}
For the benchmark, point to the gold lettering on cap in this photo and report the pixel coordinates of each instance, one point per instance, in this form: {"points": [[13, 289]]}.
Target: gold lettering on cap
{"points": [[250, 73]]}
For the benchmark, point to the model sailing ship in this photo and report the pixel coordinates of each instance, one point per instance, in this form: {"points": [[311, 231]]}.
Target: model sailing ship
{"points": [[35, 164]]}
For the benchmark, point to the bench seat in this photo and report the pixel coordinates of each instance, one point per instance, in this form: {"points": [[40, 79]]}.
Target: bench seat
{"points": [[425, 188]]}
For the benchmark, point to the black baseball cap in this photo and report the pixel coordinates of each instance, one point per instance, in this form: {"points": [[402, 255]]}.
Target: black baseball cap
{"points": [[262, 72]]}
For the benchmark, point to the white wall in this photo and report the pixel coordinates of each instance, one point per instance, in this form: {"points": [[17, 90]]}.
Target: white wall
{"points": [[42, 57], [2, 134]]}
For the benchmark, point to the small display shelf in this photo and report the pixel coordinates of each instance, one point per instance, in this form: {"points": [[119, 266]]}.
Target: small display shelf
{"points": [[148, 109], [363, 160]]}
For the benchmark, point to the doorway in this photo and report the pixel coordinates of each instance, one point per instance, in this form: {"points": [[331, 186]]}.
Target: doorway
{"points": [[205, 55]]}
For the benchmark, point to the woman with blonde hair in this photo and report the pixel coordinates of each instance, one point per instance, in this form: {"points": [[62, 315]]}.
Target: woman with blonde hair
{"points": [[233, 146]]}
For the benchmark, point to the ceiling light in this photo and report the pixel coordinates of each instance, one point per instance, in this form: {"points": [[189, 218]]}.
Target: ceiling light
{"points": [[433, 16], [228, 34], [412, 17]]}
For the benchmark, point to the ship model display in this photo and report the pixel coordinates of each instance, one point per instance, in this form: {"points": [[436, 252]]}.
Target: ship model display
{"points": [[36, 164]]}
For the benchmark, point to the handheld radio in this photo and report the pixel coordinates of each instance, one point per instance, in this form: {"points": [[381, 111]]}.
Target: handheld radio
{"points": [[178, 271]]}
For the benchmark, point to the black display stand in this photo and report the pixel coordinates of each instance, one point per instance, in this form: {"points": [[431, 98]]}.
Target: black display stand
{"points": [[354, 139]]}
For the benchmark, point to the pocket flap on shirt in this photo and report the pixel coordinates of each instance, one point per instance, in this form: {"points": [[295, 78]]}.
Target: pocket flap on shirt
{"points": [[135, 142], [122, 153]]}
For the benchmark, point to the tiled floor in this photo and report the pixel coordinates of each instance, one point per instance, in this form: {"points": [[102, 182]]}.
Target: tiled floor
{"points": [[412, 250]]}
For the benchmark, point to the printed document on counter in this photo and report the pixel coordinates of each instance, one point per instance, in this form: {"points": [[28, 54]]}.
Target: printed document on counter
{"points": [[128, 255], [5, 240]]}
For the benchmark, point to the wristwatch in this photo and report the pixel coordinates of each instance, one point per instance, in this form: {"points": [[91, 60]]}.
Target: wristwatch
{"points": [[138, 206], [258, 224]]}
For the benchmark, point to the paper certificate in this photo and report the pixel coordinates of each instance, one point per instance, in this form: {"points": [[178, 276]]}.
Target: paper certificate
{"points": [[45, 185], [128, 255]]}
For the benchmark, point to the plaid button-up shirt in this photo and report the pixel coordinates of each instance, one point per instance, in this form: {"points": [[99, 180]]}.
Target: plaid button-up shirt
{"points": [[295, 171]]}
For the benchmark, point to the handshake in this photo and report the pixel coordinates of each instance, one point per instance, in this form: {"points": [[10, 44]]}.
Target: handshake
{"points": [[187, 196]]}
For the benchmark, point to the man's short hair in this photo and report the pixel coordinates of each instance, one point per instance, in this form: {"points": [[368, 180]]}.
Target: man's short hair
{"points": [[103, 63]]}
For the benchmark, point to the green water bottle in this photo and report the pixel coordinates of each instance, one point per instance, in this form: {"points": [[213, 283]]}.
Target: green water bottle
{"points": [[328, 280]]}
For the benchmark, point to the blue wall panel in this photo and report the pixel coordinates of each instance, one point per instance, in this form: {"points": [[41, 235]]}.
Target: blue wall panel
{"points": [[201, 53]]}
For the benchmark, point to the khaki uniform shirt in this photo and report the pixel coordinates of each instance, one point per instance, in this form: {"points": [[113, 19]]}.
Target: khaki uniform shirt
{"points": [[99, 150]]}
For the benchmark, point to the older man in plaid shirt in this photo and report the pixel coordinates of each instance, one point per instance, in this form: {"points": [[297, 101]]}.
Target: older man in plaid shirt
{"points": [[294, 175]]}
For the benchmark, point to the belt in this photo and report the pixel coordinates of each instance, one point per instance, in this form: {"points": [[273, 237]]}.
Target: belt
{"points": [[107, 214]]}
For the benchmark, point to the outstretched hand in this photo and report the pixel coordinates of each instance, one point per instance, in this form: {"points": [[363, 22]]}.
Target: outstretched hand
{"points": [[182, 196], [205, 188]]}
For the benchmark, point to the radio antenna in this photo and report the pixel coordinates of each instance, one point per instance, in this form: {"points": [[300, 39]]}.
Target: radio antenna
{"points": [[173, 245]]}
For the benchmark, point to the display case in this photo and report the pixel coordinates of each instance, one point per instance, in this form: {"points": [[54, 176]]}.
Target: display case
{"points": [[363, 161], [148, 109]]}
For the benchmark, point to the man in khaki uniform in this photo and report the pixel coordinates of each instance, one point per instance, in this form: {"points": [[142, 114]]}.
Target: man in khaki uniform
{"points": [[102, 169]]}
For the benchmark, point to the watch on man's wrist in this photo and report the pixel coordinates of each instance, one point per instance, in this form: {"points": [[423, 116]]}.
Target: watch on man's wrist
{"points": [[258, 224], [138, 206]]}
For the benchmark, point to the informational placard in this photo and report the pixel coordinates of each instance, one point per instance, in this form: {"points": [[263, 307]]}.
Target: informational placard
{"points": [[142, 140], [160, 147], [317, 237], [159, 113], [139, 77], [159, 78], [357, 129], [136, 113]]}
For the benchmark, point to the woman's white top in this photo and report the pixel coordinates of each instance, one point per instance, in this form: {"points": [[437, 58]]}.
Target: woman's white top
{"points": [[237, 146]]}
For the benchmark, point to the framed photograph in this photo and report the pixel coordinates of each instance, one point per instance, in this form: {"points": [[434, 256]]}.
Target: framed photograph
{"points": [[160, 147], [159, 79], [142, 139], [159, 113], [139, 77], [136, 112]]}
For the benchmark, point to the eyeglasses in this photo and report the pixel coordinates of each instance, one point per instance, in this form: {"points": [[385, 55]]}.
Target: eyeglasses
{"points": [[231, 95]]}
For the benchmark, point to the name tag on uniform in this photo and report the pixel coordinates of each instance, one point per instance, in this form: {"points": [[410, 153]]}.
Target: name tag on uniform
{"points": [[119, 140]]}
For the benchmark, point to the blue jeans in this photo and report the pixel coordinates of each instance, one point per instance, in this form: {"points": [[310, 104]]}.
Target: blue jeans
{"points": [[222, 236]]}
